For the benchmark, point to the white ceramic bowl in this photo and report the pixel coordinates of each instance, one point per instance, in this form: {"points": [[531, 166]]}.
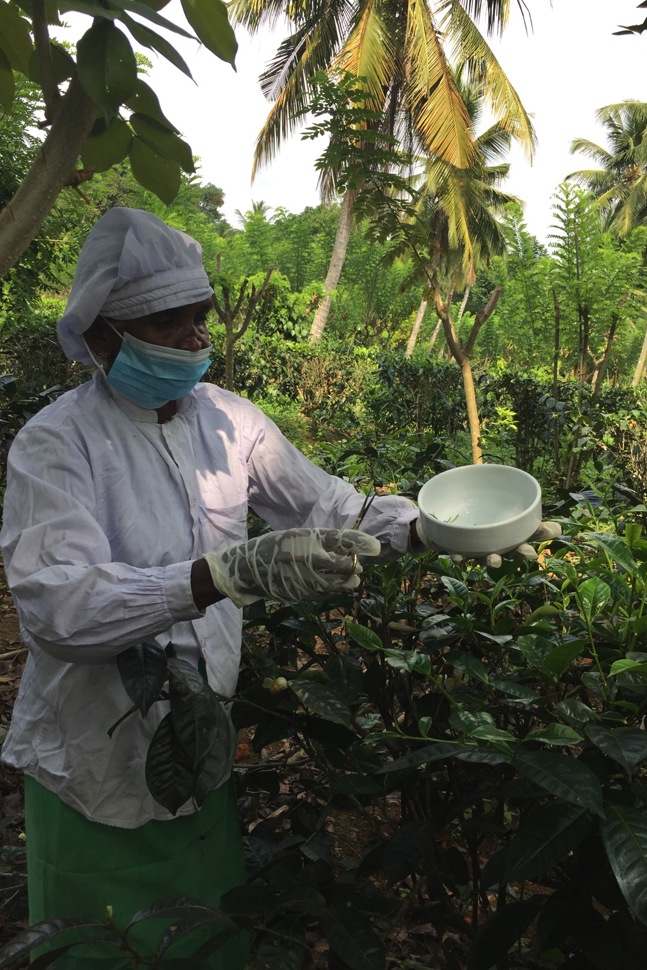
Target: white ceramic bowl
{"points": [[478, 509]]}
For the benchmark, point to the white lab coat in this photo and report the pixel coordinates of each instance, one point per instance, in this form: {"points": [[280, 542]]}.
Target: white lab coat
{"points": [[105, 510]]}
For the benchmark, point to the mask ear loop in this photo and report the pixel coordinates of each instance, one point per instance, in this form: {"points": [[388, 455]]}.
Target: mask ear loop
{"points": [[97, 363]]}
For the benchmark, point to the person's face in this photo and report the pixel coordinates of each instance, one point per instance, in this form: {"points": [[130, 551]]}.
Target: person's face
{"points": [[183, 328]]}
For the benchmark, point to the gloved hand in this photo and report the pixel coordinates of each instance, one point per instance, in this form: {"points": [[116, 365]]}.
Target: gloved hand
{"points": [[545, 531], [294, 564]]}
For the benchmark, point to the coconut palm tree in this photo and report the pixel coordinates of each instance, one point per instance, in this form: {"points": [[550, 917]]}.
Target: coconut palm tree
{"points": [[404, 51], [620, 180]]}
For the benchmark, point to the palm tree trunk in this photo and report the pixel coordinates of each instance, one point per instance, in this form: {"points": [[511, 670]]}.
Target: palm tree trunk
{"points": [[434, 336], [52, 169], [640, 366], [335, 267], [417, 323]]}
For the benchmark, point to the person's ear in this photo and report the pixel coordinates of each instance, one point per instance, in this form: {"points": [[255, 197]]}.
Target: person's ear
{"points": [[102, 340]]}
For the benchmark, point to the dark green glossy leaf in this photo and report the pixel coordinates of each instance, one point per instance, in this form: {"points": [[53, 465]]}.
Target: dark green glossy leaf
{"points": [[616, 548], [423, 756], [215, 767], [162, 141], [592, 595], [145, 101], [544, 839], [352, 939], [47, 931], [627, 746], [564, 777], [7, 83], [624, 831], [143, 670], [106, 66], [467, 664], [149, 12], [320, 699], [15, 38], [195, 710], [367, 639], [63, 65], [500, 933], [559, 734], [562, 656], [148, 38], [169, 772], [107, 145], [160, 175], [209, 20]]}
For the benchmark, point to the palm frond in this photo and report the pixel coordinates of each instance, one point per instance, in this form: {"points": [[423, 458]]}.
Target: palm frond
{"points": [[471, 53]]}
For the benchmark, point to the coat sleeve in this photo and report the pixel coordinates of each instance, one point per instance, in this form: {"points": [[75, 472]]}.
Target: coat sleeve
{"points": [[73, 601], [288, 490]]}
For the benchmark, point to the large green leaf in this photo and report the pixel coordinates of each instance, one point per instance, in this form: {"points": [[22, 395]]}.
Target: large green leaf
{"points": [[367, 639], [209, 20], [564, 777], [592, 595], [143, 670], [423, 756], [320, 699], [624, 831], [169, 772], [15, 38], [195, 710], [558, 734], [148, 38], [63, 65], [562, 656], [145, 101], [7, 83], [616, 548], [352, 939], [543, 839], [107, 145], [162, 141], [106, 66], [626, 745], [161, 175], [150, 13]]}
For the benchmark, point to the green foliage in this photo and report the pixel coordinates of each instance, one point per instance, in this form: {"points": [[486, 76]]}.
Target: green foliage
{"points": [[131, 123]]}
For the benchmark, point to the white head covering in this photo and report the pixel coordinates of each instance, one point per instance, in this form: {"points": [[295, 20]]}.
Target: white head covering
{"points": [[131, 264]]}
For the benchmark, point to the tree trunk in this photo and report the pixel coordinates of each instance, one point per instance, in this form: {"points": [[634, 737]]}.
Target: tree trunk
{"points": [[52, 169], [640, 366], [473, 420], [335, 267], [434, 336], [417, 323]]}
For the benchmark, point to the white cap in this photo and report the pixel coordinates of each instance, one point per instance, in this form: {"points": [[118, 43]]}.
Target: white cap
{"points": [[131, 264]]}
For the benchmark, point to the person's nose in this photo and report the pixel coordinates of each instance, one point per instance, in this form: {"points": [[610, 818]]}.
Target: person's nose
{"points": [[193, 335]]}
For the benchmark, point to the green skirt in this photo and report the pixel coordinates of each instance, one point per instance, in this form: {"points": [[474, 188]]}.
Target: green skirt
{"points": [[80, 868]]}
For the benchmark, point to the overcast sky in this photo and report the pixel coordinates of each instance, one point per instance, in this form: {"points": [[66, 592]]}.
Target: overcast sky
{"points": [[564, 70]]}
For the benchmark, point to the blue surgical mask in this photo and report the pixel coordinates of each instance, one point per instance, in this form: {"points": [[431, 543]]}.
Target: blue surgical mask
{"points": [[151, 376]]}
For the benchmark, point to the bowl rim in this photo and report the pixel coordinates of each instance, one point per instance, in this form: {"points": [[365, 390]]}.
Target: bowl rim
{"points": [[500, 523]]}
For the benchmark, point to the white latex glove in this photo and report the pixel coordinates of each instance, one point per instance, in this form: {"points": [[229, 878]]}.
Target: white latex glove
{"points": [[293, 564], [545, 531]]}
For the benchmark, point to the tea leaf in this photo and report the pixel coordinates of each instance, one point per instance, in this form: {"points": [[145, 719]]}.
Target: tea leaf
{"points": [[624, 832], [544, 838], [627, 746], [565, 778]]}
